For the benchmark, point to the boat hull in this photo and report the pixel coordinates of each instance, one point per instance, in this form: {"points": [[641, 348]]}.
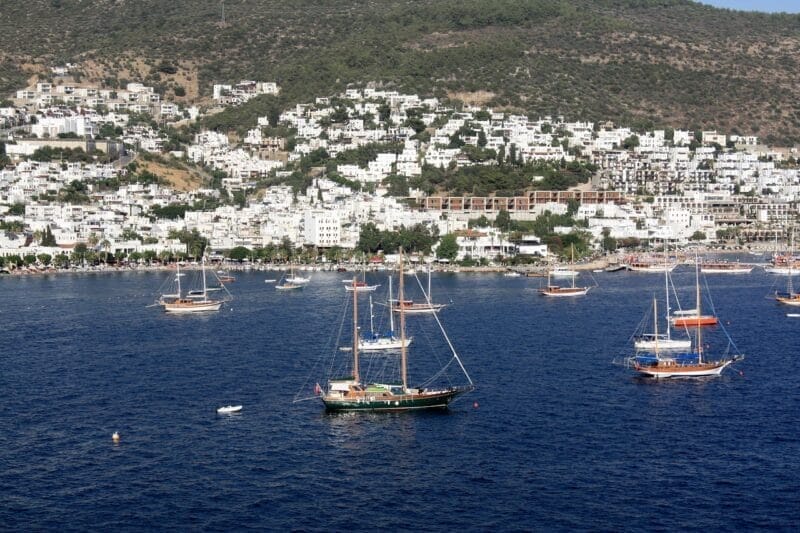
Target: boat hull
{"points": [[381, 344], [694, 321], [650, 268], [191, 307], [782, 271], [393, 402], [561, 292], [662, 371], [726, 270], [361, 288], [788, 299], [421, 309], [288, 287], [564, 273]]}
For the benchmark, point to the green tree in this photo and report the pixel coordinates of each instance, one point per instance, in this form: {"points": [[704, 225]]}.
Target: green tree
{"points": [[630, 142], [698, 236], [47, 238], [61, 261], [448, 247], [503, 220], [240, 253]]}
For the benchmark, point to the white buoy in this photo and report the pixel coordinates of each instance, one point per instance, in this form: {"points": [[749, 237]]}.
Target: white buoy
{"points": [[115, 437]]}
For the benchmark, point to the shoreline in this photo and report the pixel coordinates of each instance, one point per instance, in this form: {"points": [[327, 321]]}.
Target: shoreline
{"points": [[529, 270]]}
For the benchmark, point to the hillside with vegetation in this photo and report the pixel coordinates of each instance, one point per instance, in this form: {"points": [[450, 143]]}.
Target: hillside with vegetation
{"points": [[642, 63]]}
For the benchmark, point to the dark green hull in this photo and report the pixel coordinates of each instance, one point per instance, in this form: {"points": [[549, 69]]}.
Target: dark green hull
{"points": [[404, 402]]}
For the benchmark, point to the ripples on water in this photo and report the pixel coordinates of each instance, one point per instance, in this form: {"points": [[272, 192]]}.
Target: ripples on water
{"points": [[561, 438]]}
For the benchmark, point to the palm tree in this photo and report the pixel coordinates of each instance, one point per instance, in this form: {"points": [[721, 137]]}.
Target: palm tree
{"points": [[106, 244]]}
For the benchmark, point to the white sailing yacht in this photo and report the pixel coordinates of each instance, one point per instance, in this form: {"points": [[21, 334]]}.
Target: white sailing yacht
{"points": [[292, 282], [376, 342], [655, 341]]}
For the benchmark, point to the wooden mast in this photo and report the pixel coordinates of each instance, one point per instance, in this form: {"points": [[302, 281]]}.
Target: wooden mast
{"points": [[666, 288], [699, 311], [655, 323], [178, 277], [203, 269], [403, 353], [356, 377]]}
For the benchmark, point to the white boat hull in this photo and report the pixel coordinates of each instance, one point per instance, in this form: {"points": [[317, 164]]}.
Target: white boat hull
{"points": [[794, 302], [229, 409], [564, 293], [381, 344], [683, 372], [423, 309], [653, 269], [362, 288], [782, 271], [564, 273], [662, 344], [742, 270], [193, 307]]}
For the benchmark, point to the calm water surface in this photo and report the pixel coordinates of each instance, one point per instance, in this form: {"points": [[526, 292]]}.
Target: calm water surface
{"points": [[560, 437]]}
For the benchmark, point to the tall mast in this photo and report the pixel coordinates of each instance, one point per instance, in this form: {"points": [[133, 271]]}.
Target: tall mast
{"points": [[430, 300], [203, 269], [666, 287], [699, 311], [790, 287], [655, 323], [403, 354], [178, 276], [355, 332], [391, 312], [371, 317]]}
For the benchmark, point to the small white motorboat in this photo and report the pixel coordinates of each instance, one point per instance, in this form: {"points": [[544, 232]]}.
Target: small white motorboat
{"points": [[229, 409], [793, 315], [271, 280]]}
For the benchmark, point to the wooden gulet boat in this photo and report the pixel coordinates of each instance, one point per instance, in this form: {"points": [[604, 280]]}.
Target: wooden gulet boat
{"points": [[693, 364], [790, 297], [409, 307], [353, 394], [693, 318], [723, 267], [194, 302], [557, 291]]}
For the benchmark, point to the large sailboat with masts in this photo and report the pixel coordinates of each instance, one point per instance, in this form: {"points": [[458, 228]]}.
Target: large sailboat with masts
{"points": [[410, 307], [696, 363], [558, 291], [193, 301], [355, 393], [790, 297]]}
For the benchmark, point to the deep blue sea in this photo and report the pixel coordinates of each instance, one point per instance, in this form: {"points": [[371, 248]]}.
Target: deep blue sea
{"points": [[555, 437]]}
